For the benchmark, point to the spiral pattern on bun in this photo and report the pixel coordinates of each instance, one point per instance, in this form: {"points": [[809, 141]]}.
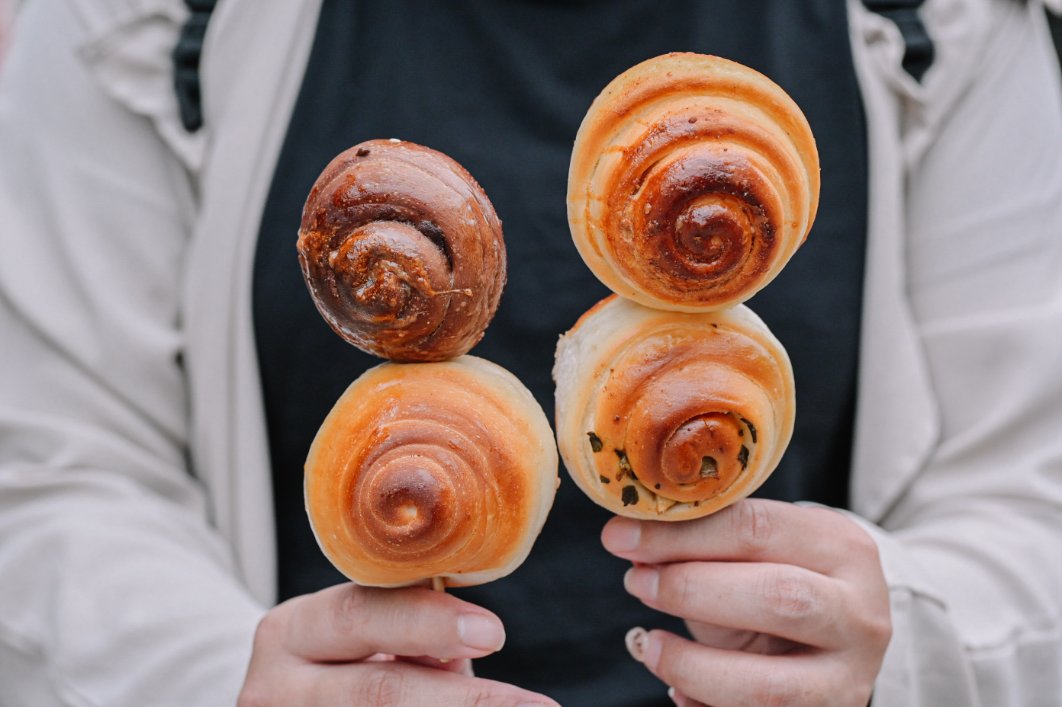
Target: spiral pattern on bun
{"points": [[402, 252], [670, 415], [693, 180], [431, 470]]}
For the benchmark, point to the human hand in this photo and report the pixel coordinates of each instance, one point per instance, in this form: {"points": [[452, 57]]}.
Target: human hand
{"points": [[787, 604], [351, 645]]}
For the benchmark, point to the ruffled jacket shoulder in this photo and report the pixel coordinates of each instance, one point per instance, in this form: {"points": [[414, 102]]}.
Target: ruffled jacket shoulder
{"points": [[128, 46]]}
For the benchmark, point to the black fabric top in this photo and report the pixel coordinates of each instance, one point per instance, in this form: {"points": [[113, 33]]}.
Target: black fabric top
{"points": [[501, 86]]}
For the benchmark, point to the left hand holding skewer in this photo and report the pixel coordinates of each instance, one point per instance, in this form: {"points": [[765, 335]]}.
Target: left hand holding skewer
{"points": [[786, 604]]}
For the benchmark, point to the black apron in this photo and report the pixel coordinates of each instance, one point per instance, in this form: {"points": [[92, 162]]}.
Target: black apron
{"points": [[501, 86]]}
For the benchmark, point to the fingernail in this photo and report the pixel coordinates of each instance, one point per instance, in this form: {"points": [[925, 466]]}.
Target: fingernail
{"points": [[651, 652], [671, 694], [480, 632], [635, 640], [621, 535], [642, 582]]}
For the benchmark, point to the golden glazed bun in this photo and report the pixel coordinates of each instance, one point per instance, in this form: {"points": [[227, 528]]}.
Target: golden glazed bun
{"points": [[671, 415], [435, 470], [693, 180], [402, 252]]}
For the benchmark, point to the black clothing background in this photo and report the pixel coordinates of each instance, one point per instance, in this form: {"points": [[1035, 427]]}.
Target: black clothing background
{"points": [[501, 86]]}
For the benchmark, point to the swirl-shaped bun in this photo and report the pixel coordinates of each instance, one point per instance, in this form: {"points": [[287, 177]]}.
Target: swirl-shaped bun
{"points": [[431, 470], [402, 252], [693, 180], [670, 415]]}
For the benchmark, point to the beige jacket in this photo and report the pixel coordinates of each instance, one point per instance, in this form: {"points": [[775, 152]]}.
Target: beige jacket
{"points": [[127, 357]]}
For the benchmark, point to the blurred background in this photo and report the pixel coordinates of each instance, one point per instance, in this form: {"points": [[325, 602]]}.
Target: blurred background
{"points": [[7, 15]]}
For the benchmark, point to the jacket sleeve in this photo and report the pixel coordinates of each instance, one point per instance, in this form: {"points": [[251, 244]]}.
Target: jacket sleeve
{"points": [[971, 547], [116, 590]]}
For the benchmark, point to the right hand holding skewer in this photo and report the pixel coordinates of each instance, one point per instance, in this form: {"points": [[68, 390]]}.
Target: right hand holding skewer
{"points": [[351, 645]]}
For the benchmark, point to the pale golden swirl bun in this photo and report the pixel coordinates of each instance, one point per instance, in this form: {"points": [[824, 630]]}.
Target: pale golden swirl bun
{"points": [[693, 180], [431, 470], [671, 415], [402, 251]]}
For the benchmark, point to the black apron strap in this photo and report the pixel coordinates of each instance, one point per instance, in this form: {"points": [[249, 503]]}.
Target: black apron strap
{"points": [[186, 63], [918, 55]]}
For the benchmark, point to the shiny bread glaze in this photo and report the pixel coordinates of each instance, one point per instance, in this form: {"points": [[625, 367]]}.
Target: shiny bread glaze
{"points": [[693, 180], [431, 470], [402, 251]]}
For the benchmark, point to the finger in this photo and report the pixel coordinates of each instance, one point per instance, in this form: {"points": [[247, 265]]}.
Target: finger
{"points": [[819, 539], [731, 639], [398, 683], [461, 666], [730, 679], [347, 623], [781, 600], [682, 700]]}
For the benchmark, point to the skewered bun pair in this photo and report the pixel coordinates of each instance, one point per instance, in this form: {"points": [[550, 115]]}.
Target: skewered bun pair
{"points": [[444, 469], [693, 181]]}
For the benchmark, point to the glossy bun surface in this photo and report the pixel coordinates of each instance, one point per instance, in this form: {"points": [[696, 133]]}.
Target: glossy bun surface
{"points": [[431, 470], [402, 252], [693, 180], [671, 415]]}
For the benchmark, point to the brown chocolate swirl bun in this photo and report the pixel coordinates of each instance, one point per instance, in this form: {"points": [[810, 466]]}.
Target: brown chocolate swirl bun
{"points": [[671, 415], [402, 252], [693, 180], [435, 470]]}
